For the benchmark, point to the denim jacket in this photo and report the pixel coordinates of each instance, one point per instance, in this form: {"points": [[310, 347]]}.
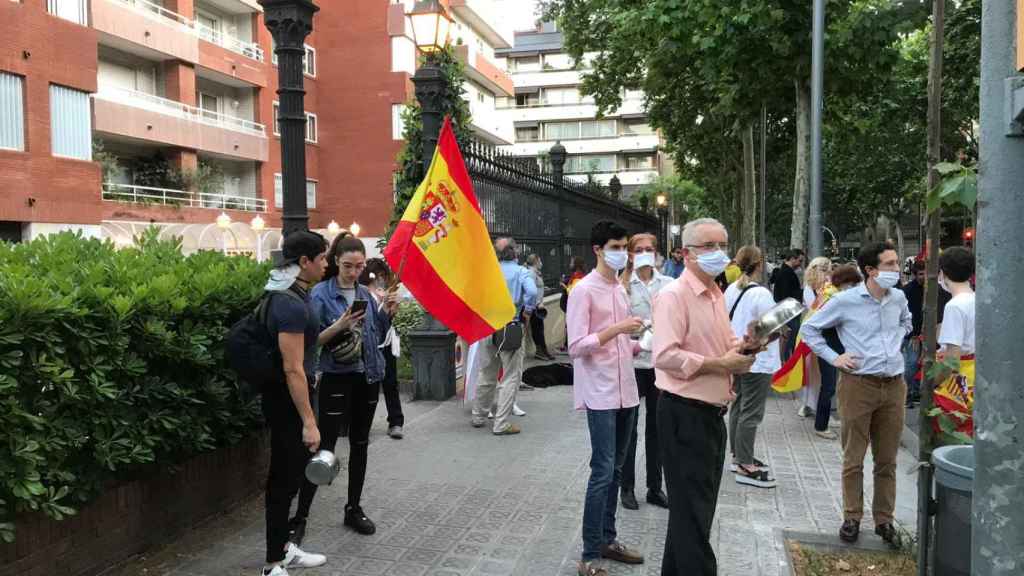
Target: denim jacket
{"points": [[331, 304]]}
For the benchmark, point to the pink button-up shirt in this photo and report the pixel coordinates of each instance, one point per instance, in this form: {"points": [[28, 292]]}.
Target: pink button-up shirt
{"points": [[603, 377], [691, 324]]}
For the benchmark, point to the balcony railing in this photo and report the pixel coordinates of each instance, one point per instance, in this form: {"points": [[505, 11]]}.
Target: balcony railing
{"points": [[223, 40], [178, 109], [168, 197], [248, 49]]}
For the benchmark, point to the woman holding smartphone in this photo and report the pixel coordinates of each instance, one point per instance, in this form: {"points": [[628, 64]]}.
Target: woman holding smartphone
{"points": [[353, 368]]}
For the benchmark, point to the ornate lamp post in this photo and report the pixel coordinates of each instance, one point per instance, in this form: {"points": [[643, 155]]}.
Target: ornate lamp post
{"points": [[615, 187], [290, 21], [432, 344], [333, 228], [258, 225], [224, 223], [662, 202], [354, 228]]}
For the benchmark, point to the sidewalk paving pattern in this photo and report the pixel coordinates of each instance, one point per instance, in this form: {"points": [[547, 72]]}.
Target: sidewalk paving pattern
{"points": [[451, 500]]}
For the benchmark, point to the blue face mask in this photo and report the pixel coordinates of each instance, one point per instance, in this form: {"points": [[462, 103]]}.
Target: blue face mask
{"points": [[616, 259], [713, 263]]}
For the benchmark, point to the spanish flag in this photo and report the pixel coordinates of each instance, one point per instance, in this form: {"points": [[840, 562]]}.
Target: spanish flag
{"points": [[955, 396], [443, 252], [792, 376]]}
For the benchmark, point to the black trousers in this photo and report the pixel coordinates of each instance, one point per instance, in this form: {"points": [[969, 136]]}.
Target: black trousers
{"points": [[693, 439], [537, 333], [650, 393], [288, 457], [390, 387], [349, 398]]}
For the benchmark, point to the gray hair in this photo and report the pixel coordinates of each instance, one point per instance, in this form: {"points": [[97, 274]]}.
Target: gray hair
{"points": [[508, 251], [690, 230]]}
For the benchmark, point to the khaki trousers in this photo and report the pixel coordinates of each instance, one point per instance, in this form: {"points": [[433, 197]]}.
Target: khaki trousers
{"points": [[872, 412], [510, 365]]}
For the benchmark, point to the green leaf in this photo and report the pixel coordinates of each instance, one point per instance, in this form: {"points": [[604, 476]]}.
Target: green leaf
{"points": [[945, 168]]}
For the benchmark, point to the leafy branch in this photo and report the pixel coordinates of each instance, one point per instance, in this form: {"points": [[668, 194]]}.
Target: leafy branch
{"points": [[958, 186]]}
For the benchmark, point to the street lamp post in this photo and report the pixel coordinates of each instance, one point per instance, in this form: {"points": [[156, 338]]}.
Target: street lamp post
{"points": [[258, 225], [224, 223], [432, 344], [290, 21], [815, 240], [662, 202]]}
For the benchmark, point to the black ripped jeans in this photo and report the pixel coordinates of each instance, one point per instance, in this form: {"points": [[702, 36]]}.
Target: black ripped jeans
{"points": [[347, 398]]}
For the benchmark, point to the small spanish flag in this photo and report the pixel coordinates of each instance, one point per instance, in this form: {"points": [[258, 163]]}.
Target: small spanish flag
{"points": [[443, 252], [793, 374], [955, 396]]}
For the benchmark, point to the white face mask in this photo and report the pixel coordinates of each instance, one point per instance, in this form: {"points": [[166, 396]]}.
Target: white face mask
{"points": [[887, 279], [643, 259], [713, 263], [616, 259]]}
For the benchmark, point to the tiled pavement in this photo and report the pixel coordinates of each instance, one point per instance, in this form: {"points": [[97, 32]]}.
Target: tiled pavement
{"points": [[451, 500]]}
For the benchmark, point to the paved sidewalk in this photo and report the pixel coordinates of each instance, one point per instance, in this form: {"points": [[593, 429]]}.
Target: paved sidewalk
{"points": [[451, 500]]}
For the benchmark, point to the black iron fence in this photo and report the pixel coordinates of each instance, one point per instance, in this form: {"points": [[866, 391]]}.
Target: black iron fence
{"points": [[546, 214]]}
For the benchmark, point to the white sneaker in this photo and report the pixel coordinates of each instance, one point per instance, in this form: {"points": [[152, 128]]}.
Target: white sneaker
{"points": [[805, 412], [517, 411], [490, 414], [296, 558], [278, 570]]}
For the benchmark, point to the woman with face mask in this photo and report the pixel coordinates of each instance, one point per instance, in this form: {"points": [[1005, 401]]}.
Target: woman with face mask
{"points": [[643, 282], [815, 281]]}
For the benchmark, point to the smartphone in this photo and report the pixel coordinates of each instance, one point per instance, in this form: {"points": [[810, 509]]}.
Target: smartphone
{"points": [[358, 307]]}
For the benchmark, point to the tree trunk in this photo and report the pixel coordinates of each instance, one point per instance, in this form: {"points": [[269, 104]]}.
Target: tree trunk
{"points": [[748, 203], [801, 185]]}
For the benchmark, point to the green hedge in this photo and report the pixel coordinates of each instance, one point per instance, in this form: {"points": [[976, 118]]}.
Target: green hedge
{"points": [[111, 364]]}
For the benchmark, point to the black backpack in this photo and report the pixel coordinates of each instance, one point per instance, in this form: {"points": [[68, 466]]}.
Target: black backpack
{"points": [[251, 350]]}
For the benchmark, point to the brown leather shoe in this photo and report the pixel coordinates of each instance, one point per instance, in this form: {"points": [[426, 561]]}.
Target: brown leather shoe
{"points": [[589, 569], [620, 553]]}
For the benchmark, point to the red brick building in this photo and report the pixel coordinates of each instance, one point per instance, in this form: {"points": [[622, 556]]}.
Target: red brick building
{"points": [[180, 95]]}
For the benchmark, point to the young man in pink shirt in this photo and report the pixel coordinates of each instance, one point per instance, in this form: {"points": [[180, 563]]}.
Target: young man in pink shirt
{"points": [[604, 384]]}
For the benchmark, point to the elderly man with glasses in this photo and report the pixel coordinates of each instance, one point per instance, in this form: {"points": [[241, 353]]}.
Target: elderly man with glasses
{"points": [[695, 357]]}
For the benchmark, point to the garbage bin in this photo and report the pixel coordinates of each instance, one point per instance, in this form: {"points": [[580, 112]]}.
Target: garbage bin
{"points": [[954, 484]]}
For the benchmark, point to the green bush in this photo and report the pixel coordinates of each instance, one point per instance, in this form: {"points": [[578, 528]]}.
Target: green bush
{"points": [[111, 365]]}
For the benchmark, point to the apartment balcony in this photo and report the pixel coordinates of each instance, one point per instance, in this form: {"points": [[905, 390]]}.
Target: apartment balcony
{"points": [[484, 72], [487, 19], [543, 111], [138, 115], [148, 195], [142, 27], [616, 144]]}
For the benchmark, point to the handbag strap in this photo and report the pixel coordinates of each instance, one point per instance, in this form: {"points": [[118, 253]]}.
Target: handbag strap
{"points": [[737, 303]]}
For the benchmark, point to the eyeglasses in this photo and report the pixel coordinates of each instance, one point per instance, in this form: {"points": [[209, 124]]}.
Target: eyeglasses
{"points": [[709, 246]]}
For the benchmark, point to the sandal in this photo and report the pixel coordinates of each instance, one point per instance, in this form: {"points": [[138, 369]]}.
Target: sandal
{"points": [[759, 478]]}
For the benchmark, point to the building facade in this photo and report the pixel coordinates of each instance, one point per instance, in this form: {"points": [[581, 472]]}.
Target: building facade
{"points": [[548, 107]]}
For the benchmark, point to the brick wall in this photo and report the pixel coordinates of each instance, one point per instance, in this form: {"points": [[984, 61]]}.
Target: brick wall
{"points": [[133, 517]]}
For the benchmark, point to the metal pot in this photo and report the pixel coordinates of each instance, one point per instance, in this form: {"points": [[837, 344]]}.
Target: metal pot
{"points": [[322, 468], [773, 320]]}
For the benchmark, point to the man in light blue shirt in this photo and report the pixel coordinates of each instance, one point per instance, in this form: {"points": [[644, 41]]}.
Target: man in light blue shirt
{"points": [[510, 362], [872, 319]]}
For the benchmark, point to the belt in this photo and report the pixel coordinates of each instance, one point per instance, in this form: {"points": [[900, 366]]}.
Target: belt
{"points": [[713, 408], [875, 378]]}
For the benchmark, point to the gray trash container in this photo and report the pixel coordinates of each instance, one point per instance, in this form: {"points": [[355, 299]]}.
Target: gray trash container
{"points": [[954, 484]]}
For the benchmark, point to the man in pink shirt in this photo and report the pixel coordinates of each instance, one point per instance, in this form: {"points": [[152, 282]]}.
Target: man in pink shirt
{"points": [[599, 327], [695, 356]]}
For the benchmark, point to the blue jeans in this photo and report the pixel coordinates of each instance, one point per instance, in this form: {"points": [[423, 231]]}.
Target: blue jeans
{"points": [[829, 374], [910, 358], [610, 432]]}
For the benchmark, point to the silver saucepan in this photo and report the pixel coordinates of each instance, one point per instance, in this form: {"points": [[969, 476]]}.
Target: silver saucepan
{"points": [[322, 468], [761, 330]]}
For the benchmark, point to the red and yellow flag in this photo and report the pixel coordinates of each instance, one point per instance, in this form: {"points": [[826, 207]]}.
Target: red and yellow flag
{"points": [[443, 252], [793, 374]]}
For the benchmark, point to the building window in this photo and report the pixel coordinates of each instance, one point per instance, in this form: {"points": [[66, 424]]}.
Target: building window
{"points": [[562, 131], [279, 192], [70, 123], [210, 105], [644, 162], [597, 129], [636, 127], [590, 163], [311, 132], [12, 112], [310, 194], [72, 10], [277, 125], [309, 61], [527, 99], [558, 61], [397, 124], [525, 64], [561, 96], [528, 134]]}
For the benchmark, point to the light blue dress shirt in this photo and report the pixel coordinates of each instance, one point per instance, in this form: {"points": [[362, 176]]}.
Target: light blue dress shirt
{"points": [[871, 330], [520, 285]]}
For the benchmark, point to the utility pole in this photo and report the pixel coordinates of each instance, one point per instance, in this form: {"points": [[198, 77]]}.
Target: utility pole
{"points": [[815, 245], [931, 292], [998, 517], [762, 236]]}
